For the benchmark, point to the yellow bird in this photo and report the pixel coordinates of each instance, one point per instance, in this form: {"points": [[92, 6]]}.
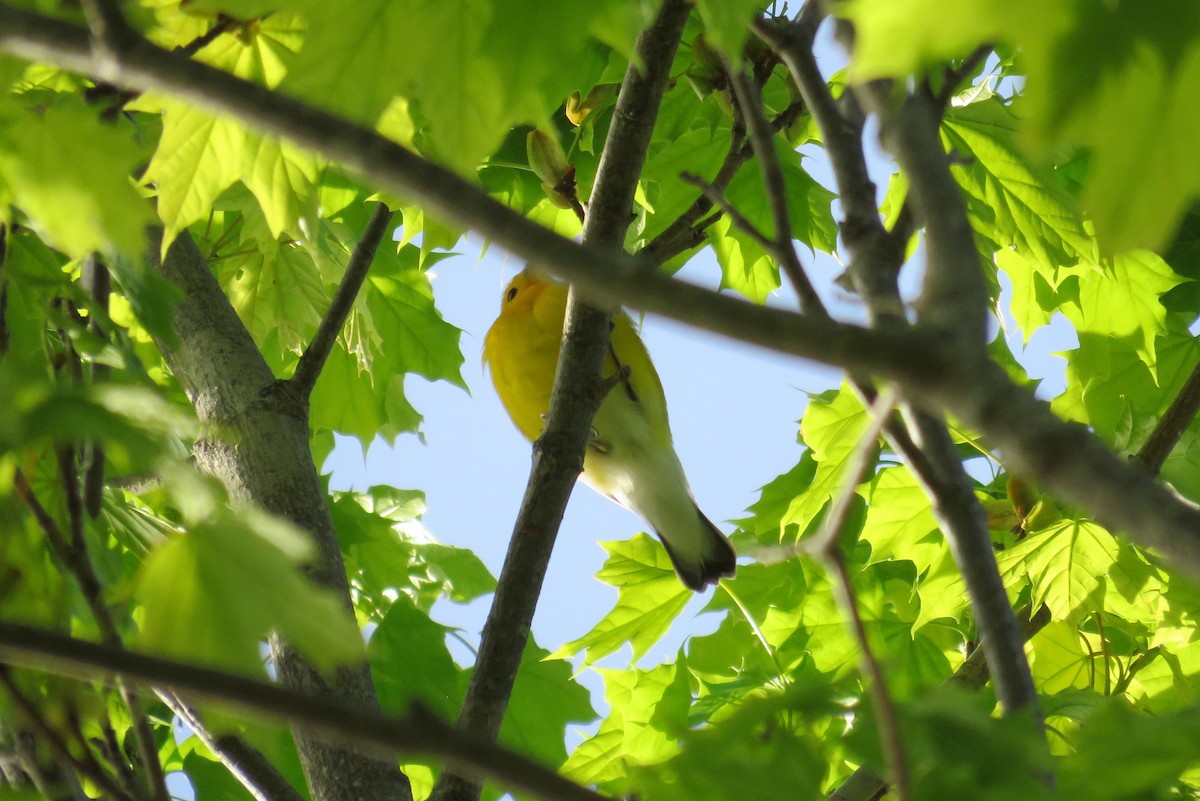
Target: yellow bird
{"points": [[630, 458]]}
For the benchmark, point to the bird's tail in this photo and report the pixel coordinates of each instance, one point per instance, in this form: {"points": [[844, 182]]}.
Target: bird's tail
{"points": [[716, 559]]}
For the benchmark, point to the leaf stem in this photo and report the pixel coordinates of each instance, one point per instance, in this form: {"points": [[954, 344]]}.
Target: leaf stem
{"points": [[726, 586], [419, 732]]}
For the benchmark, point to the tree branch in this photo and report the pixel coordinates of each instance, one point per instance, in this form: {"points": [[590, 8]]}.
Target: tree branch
{"points": [[265, 458], [717, 199], [419, 732], [954, 295], [1063, 458], [863, 784], [762, 138], [1170, 428], [312, 361], [964, 522], [247, 764], [607, 278], [826, 547], [876, 257], [89, 770], [559, 452]]}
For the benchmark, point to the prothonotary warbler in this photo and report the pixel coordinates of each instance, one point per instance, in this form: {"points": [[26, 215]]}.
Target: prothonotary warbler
{"points": [[630, 457]]}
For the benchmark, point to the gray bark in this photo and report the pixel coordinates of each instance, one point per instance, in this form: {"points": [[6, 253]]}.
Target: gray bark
{"points": [[261, 454]]}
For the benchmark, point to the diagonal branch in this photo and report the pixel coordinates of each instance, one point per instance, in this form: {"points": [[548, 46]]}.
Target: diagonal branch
{"points": [[954, 295], [863, 784], [606, 277], [52, 737], [964, 521], [762, 138], [247, 764], [312, 361], [559, 452], [420, 732], [827, 548], [1170, 428], [876, 257], [716, 197], [1063, 458], [687, 230]]}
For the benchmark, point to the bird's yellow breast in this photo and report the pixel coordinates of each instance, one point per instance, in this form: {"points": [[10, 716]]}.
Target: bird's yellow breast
{"points": [[522, 348]]}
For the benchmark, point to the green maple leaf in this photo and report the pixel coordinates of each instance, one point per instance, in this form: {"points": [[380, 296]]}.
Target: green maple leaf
{"points": [[70, 173], [649, 599]]}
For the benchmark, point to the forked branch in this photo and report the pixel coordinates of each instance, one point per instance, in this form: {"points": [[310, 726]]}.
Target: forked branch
{"points": [[308, 370]]}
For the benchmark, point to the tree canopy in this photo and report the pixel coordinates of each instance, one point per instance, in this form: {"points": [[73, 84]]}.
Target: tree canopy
{"points": [[964, 587]]}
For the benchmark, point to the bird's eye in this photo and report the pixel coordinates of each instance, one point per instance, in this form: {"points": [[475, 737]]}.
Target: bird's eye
{"points": [[512, 293]]}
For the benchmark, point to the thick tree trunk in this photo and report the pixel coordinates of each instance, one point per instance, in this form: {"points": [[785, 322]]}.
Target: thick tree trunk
{"points": [[262, 455]]}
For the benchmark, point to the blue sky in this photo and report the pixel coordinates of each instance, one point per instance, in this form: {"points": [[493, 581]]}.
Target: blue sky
{"points": [[734, 412]]}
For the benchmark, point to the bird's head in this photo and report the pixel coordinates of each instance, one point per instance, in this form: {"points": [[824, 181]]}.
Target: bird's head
{"points": [[522, 293]]}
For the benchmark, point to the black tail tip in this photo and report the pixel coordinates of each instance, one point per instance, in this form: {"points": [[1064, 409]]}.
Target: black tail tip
{"points": [[698, 578], [719, 562]]}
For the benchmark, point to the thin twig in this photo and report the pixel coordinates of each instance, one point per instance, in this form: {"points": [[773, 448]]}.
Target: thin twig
{"points": [[1166, 434], [826, 547], [73, 553], [875, 258], [890, 736], [53, 738], [687, 230], [857, 466], [312, 361], [1064, 458], [749, 97], [223, 24], [956, 75], [98, 285], [59, 543], [120, 770], [717, 198], [116, 758], [247, 764], [420, 732], [559, 451]]}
